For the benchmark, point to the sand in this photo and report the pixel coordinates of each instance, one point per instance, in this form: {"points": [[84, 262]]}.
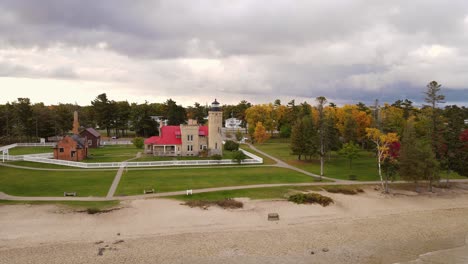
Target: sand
{"points": [[367, 228]]}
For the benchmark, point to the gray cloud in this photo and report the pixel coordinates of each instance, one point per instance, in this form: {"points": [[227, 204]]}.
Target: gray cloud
{"points": [[347, 50]]}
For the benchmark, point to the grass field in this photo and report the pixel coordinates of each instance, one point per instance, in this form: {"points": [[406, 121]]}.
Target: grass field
{"points": [[135, 181], [149, 157], [23, 182], [73, 204], [364, 166], [112, 153], [30, 150], [40, 165], [266, 160]]}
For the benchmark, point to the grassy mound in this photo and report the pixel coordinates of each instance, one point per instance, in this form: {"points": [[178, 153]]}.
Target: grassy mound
{"points": [[310, 198], [226, 203]]}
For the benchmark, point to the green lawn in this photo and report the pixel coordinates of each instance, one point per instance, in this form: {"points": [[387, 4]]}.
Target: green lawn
{"points": [[135, 181], [23, 182], [364, 167], [73, 204], [266, 160], [112, 153], [149, 157], [254, 193], [30, 150], [336, 166], [40, 165]]}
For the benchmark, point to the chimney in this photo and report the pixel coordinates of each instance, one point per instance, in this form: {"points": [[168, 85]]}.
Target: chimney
{"points": [[161, 124], [76, 123]]}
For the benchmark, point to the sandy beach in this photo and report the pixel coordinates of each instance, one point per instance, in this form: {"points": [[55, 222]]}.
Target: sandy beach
{"points": [[365, 228]]}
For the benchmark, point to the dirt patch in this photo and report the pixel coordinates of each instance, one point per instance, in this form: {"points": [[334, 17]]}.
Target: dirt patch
{"points": [[226, 204]]}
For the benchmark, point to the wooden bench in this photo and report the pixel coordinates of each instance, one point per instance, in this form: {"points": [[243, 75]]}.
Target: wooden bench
{"points": [[148, 191], [273, 217], [69, 193]]}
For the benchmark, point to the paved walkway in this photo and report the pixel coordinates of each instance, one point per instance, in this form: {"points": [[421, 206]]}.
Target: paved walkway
{"points": [[116, 181]]}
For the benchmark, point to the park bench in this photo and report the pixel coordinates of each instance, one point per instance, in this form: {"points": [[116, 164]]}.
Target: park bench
{"points": [[273, 217], [148, 191], [189, 192], [69, 193]]}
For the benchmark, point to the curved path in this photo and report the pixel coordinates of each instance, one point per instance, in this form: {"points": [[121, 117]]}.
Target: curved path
{"points": [[283, 164]]}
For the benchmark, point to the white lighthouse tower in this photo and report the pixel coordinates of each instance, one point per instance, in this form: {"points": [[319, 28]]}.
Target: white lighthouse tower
{"points": [[215, 123]]}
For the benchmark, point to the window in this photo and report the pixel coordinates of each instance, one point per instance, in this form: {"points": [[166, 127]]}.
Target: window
{"points": [[61, 150], [90, 142], [201, 147], [73, 154], [189, 147], [189, 137], [216, 145]]}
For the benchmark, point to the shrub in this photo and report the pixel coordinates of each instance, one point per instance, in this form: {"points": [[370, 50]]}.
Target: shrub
{"points": [[310, 198], [138, 142], [93, 210], [238, 156], [226, 203], [344, 190], [285, 131], [217, 157], [239, 135], [231, 145]]}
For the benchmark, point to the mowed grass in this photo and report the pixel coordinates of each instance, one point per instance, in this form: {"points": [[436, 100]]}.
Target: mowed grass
{"points": [[150, 157], [112, 153], [135, 181], [266, 160], [336, 166], [30, 150], [23, 182], [73, 204], [255, 193]]}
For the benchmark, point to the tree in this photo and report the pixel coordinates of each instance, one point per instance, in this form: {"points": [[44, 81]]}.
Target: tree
{"points": [[433, 97], [382, 143], [231, 145], [321, 100], [304, 138], [409, 154], [260, 133], [103, 112], [138, 142], [238, 156], [350, 151], [176, 114]]}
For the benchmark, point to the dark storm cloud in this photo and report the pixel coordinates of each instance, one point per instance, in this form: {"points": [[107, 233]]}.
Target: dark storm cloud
{"points": [[349, 50]]}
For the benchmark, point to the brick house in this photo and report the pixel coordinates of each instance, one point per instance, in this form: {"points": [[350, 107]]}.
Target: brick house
{"points": [[93, 137], [72, 148]]}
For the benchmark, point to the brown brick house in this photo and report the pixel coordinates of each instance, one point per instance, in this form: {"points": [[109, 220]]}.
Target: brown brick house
{"points": [[72, 148], [93, 137]]}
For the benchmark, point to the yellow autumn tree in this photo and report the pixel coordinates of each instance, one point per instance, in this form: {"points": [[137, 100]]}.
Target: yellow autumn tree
{"points": [[382, 142], [260, 134]]}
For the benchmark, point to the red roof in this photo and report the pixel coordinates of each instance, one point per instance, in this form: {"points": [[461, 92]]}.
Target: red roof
{"points": [[169, 133]]}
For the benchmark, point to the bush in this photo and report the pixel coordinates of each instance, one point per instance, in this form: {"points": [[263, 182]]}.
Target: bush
{"points": [[310, 198], [344, 190], [217, 157], [239, 136], [226, 203], [93, 210], [138, 142], [285, 131], [231, 145], [238, 156]]}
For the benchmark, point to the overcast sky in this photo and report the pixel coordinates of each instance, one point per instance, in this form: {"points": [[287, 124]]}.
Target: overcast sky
{"points": [[193, 51]]}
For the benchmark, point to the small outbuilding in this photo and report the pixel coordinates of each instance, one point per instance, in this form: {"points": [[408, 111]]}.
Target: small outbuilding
{"points": [[72, 148], [93, 137]]}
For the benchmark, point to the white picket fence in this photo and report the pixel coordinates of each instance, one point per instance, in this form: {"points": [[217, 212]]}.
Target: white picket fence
{"points": [[48, 158], [116, 143], [45, 144]]}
